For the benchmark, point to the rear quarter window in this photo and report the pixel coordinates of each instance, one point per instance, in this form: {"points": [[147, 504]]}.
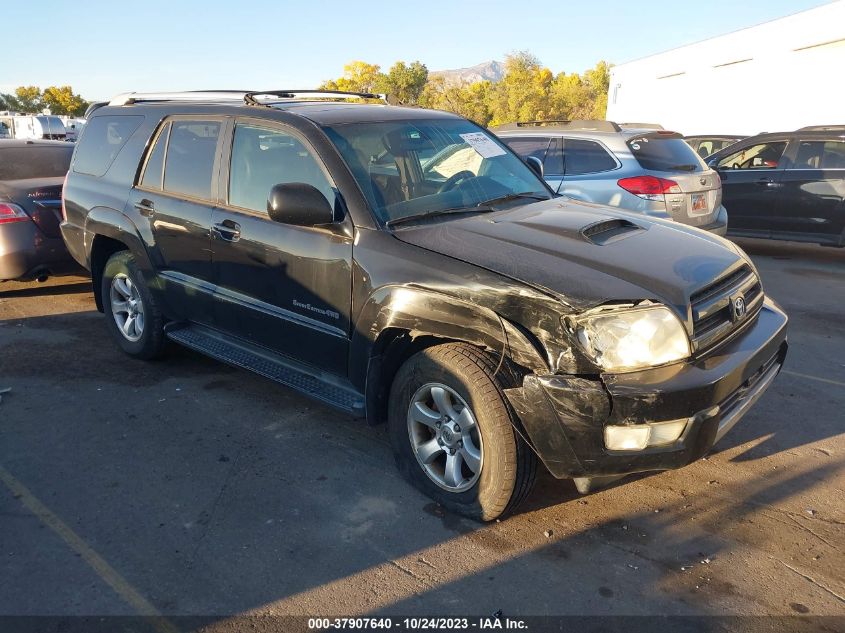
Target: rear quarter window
{"points": [[664, 154], [102, 139], [34, 161]]}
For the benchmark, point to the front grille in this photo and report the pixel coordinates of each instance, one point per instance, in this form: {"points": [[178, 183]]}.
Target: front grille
{"points": [[712, 306]]}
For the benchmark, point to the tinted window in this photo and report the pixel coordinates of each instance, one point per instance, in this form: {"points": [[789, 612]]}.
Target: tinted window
{"points": [[760, 156], [189, 168], [102, 138], [33, 161], [155, 163], [467, 166], [262, 158], [585, 157], [525, 147], [821, 155], [664, 154]]}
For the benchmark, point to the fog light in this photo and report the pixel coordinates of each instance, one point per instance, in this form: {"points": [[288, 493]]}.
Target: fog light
{"points": [[635, 437], [626, 438], [666, 432]]}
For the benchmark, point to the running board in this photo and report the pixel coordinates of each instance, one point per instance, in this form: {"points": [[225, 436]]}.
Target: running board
{"points": [[324, 387]]}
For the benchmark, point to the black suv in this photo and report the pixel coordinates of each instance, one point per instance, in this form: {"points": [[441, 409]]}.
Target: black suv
{"points": [[404, 265], [787, 185]]}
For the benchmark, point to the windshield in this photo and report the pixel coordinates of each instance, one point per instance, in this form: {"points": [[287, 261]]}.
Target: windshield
{"points": [[421, 167], [34, 161]]}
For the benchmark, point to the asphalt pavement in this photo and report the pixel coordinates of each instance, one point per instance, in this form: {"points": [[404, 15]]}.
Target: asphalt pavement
{"points": [[186, 487]]}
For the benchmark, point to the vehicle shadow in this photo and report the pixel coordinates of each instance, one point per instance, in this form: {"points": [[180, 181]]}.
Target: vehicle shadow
{"points": [[46, 290]]}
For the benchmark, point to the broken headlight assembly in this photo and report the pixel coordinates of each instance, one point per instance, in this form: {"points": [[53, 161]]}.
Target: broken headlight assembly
{"points": [[620, 339]]}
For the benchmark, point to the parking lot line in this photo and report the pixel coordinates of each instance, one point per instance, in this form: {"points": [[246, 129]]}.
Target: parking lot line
{"points": [[838, 383], [94, 560]]}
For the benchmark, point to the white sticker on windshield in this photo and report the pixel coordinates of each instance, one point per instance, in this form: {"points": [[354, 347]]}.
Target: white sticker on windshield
{"points": [[483, 144]]}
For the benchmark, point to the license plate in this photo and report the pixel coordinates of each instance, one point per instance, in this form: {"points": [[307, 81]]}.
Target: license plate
{"points": [[698, 204]]}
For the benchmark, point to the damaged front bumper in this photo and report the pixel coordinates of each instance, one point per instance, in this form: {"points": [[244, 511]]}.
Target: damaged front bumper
{"points": [[565, 416]]}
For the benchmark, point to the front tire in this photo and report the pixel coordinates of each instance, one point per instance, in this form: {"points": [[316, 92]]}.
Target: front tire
{"points": [[132, 316], [453, 433]]}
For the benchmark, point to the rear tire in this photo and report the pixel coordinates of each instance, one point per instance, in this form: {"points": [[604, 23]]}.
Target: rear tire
{"points": [[459, 376], [132, 315]]}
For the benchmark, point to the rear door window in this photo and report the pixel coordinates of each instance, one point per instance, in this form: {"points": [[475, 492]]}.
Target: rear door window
{"points": [[760, 156], [102, 139], [191, 153], [581, 156], [155, 163], [656, 153], [820, 155]]}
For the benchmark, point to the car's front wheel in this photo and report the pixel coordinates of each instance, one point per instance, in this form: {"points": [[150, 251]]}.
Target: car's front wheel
{"points": [[453, 432], [132, 315]]}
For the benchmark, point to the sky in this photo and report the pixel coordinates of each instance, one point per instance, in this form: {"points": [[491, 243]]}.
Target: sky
{"points": [[105, 48]]}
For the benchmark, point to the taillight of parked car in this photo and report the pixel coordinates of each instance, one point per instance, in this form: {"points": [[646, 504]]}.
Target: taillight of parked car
{"points": [[11, 213], [64, 211], [649, 187]]}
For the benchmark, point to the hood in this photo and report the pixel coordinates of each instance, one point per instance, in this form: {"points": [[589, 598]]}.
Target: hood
{"points": [[583, 254]]}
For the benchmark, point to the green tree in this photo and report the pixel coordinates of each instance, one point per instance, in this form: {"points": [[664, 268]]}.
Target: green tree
{"points": [[404, 82], [62, 100]]}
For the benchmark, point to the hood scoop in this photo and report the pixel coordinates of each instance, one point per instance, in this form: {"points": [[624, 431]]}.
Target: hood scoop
{"points": [[607, 231]]}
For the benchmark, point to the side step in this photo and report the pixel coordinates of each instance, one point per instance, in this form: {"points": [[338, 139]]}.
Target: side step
{"points": [[320, 386]]}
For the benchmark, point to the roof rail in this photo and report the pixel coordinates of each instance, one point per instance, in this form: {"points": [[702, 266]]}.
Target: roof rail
{"points": [[246, 96], [642, 126], [128, 98], [566, 124], [822, 128], [249, 97]]}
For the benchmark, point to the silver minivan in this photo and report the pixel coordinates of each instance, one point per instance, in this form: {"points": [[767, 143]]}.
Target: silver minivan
{"points": [[640, 168]]}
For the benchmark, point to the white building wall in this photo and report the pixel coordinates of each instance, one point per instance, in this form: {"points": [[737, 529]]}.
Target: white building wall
{"points": [[780, 75]]}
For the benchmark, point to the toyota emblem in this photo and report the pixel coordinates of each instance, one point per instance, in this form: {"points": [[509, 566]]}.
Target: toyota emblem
{"points": [[739, 308]]}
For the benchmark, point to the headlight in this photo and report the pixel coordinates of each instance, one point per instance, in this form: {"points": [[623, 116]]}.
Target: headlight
{"points": [[632, 338]]}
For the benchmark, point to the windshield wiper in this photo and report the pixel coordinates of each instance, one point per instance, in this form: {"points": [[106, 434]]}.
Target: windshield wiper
{"points": [[525, 195], [479, 208]]}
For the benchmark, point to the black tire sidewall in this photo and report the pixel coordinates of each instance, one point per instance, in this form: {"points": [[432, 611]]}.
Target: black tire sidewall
{"points": [[150, 343], [495, 486]]}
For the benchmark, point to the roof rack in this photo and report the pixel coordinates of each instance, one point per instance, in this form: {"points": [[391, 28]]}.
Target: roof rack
{"points": [[246, 96], [642, 126], [822, 128], [567, 124]]}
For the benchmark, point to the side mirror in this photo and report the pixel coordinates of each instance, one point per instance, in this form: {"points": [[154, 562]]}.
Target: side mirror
{"points": [[712, 163], [299, 204], [535, 164]]}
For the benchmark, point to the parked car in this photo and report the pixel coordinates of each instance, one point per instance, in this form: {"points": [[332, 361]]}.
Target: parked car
{"points": [[453, 296], [31, 177], [709, 144], [787, 186], [647, 170]]}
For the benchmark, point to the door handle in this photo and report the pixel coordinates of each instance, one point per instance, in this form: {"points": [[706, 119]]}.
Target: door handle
{"points": [[767, 182], [145, 207], [227, 230]]}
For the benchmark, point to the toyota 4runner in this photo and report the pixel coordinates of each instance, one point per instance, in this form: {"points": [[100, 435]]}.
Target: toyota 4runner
{"points": [[405, 266]]}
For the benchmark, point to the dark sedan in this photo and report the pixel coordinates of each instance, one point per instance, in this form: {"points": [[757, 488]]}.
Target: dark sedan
{"points": [[31, 178]]}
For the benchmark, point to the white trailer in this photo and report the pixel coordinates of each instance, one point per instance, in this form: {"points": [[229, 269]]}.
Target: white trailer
{"points": [[34, 126], [776, 76]]}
